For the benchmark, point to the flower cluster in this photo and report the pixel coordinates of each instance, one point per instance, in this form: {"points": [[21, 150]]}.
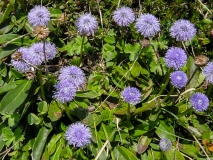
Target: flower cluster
{"points": [[183, 30], [175, 58], [78, 135], [70, 79], [131, 95], [199, 101], [165, 144], [208, 72], [179, 79], [34, 55], [123, 16]]}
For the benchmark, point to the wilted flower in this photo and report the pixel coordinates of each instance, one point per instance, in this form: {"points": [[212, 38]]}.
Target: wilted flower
{"points": [[165, 144], [39, 16], [183, 30], [73, 74], [178, 79], [131, 95], [199, 101], [147, 24], [175, 58], [123, 16], [86, 24], [78, 135], [65, 92], [208, 72], [41, 32], [18, 60]]}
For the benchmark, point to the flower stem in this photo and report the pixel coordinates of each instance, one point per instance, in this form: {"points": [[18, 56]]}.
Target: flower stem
{"points": [[39, 75], [81, 51], [209, 90], [128, 112], [168, 95], [68, 112], [166, 83]]}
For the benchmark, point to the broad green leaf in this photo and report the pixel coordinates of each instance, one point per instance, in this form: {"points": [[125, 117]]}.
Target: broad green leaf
{"points": [[14, 98], [143, 144], [24, 156], [126, 124], [15, 39], [8, 50], [58, 150], [190, 150], [173, 154], [122, 110], [87, 94], [6, 29], [52, 144], [109, 39], [127, 153], [42, 107], [54, 112], [33, 119], [165, 130], [39, 143], [10, 86]]}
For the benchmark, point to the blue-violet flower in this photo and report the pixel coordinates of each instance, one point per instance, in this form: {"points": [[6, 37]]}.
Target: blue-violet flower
{"points": [[208, 72], [183, 30], [175, 58], [123, 16], [39, 16], [199, 101], [78, 135], [86, 24], [147, 24], [73, 74], [165, 144], [131, 95], [178, 79]]}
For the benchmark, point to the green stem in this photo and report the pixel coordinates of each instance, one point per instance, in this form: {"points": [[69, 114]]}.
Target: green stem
{"points": [[81, 51], [39, 75], [169, 94], [128, 112], [209, 90], [68, 112], [166, 83]]}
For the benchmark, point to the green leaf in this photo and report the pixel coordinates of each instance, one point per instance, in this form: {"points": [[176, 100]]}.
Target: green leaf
{"points": [[143, 144], [33, 119], [87, 94], [109, 39], [14, 98], [6, 51], [10, 86], [19, 40], [122, 109], [42, 107], [173, 154], [39, 143], [54, 112], [190, 150], [58, 150], [127, 154], [6, 13], [52, 144]]}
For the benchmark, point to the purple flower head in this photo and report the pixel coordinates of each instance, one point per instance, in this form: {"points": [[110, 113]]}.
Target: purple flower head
{"points": [[50, 50], [35, 55], [131, 95], [86, 24], [72, 74], [183, 30], [147, 24], [123, 16], [199, 101], [178, 79], [165, 144], [19, 63], [208, 72], [39, 16], [175, 58], [78, 135], [65, 92]]}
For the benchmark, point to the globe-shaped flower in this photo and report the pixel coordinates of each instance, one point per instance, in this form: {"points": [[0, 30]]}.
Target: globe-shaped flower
{"points": [[36, 54], [178, 79], [131, 95], [175, 58], [72, 74], [183, 30], [18, 60], [165, 144], [199, 101], [78, 135], [86, 24], [147, 24], [50, 50], [123, 16], [65, 92], [208, 72], [39, 16]]}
